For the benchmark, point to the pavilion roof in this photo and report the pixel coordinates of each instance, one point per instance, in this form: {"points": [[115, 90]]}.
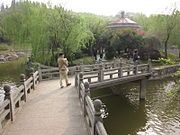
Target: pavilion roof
{"points": [[123, 22]]}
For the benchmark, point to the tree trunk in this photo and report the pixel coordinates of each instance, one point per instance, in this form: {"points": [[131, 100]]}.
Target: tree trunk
{"points": [[179, 52], [165, 50], [165, 45]]}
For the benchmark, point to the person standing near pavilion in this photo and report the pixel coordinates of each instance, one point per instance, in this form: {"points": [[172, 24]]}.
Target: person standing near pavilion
{"points": [[94, 51], [135, 56], [63, 70]]}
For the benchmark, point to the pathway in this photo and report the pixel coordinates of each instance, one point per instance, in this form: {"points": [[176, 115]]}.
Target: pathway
{"points": [[50, 111]]}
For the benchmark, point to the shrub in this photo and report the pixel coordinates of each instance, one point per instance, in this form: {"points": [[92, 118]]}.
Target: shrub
{"points": [[3, 47], [176, 74], [174, 57], [84, 60], [166, 61], [110, 53], [144, 52]]}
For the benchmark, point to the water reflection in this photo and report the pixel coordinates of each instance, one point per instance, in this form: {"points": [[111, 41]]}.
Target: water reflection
{"points": [[126, 117], [158, 115], [10, 71]]}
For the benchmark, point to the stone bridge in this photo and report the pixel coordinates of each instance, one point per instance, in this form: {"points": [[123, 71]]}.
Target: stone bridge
{"points": [[39, 107]]}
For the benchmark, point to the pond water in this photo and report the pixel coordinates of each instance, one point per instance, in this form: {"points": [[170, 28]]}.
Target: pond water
{"points": [[10, 71], [158, 115]]}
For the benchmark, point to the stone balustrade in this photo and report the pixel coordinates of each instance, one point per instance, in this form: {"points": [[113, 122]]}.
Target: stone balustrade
{"points": [[165, 71], [93, 111], [15, 99]]}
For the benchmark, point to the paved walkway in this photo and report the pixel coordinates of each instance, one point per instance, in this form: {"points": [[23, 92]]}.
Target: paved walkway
{"points": [[50, 111]]}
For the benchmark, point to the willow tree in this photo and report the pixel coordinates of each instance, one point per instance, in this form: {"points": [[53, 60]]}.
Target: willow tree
{"points": [[67, 31], [47, 30], [98, 26], [14, 22], [38, 36]]}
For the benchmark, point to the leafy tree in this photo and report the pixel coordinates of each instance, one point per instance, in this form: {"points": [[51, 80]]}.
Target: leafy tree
{"points": [[126, 39], [110, 52], [97, 26], [162, 27], [171, 21], [67, 31], [174, 39], [47, 30]]}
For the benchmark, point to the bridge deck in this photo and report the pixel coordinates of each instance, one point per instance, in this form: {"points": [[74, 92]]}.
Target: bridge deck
{"points": [[50, 111]]}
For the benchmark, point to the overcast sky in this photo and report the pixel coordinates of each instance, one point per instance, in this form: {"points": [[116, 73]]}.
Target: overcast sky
{"points": [[112, 7]]}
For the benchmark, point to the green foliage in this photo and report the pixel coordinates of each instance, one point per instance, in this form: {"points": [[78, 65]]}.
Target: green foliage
{"points": [[123, 39], [47, 30], [176, 74], [110, 52], [85, 60], [164, 27], [97, 26], [172, 56], [4, 47], [166, 61], [152, 42]]}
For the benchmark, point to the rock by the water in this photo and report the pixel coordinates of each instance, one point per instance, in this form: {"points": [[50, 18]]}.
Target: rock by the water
{"points": [[2, 58], [11, 56]]}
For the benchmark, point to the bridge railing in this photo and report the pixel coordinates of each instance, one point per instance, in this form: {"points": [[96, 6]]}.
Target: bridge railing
{"points": [[49, 73], [15, 98], [93, 111], [103, 74], [165, 71], [106, 65]]}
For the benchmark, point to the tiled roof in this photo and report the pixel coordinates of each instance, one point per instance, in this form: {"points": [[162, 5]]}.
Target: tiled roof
{"points": [[123, 22]]}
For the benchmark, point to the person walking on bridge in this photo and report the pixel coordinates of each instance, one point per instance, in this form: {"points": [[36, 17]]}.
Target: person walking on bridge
{"points": [[63, 70]]}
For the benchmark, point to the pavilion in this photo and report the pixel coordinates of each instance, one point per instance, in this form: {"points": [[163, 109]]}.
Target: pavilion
{"points": [[123, 22]]}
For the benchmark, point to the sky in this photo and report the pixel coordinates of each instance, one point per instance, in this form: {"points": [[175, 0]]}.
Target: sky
{"points": [[112, 7]]}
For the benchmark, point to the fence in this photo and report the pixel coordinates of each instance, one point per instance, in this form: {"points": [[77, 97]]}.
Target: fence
{"points": [[94, 111], [48, 72], [103, 74], [14, 99], [166, 71]]}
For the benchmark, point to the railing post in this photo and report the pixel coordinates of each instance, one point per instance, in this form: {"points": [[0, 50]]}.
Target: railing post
{"points": [[22, 80], [32, 74], [80, 81], [149, 65], [97, 114], [40, 73], [8, 96], [135, 69], [120, 72], [100, 74], [81, 68], [120, 62], [87, 93], [76, 75], [114, 64]]}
